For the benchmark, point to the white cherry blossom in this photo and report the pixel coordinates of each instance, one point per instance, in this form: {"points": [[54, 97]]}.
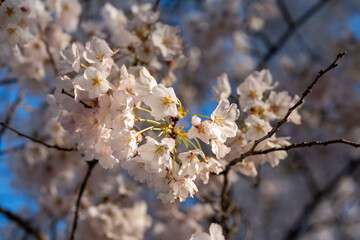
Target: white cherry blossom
{"points": [[204, 131], [94, 82], [222, 90], [157, 154], [97, 51], [257, 127], [216, 233], [71, 59], [123, 143], [224, 117], [166, 38], [162, 102]]}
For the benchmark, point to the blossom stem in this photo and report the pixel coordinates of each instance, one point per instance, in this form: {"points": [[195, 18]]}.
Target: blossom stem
{"points": [[185, 124], [192, 114], [185, 142], [146, 129], [197, 141], [174, 161], [233, 97], [159, 135], [143, 109], [192, 143], [148, 121], [83, 65]]}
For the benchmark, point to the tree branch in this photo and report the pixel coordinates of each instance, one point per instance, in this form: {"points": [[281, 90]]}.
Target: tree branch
{"points": [[8, 81], [307, 144], [12, 149], [23, 224], [11, 111], [285, 118], [72, 96], [302, 223], [91, 165], [156, 5], [285, 12], [290, 31], [36, 140]]}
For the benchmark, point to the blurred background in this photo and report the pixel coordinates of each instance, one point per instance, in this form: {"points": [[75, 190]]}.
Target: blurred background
{"points": [[314, 193]]}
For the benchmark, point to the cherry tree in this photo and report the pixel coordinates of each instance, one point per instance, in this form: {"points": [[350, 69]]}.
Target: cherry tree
{"points": [[112, 133]]}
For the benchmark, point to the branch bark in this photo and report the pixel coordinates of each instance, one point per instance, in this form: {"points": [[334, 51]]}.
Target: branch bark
{"points": [[25, 225], [285, 118], [36, 140], [11, 111], [91, 165], [302, 222], [307, 144], [290, 31]]}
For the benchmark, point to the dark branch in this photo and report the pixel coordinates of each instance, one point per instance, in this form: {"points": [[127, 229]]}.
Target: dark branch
{"points": [[22, 223], [225, 203], [156, 5], [285, 118], [8, 81], [36, 140], [285, 12], [302, 223], [91, 165], [12, 149], [308, 144], [11, 111], [72, 96], [290, 31]]}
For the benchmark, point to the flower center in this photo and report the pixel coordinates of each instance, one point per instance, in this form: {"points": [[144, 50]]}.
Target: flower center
{"points": [[96, 81], [160, 150], [11, 31], [167, 101], [252, 94], [220, 121], [10, 11]]}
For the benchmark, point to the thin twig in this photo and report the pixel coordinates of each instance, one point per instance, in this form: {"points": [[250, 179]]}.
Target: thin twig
{"points": [[210, 203], [290, 31], [51, 57], [36, 140], [12, 149], [285, 118], [91, 165], [225, 203], [11, 111], [307, 144], [25, 225], [307, 173], [156, 5], [236, 223], [302, 222], [285, 13], [72, 96], [8, 81]]}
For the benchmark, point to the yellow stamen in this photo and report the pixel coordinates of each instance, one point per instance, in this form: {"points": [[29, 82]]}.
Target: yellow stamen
{"points": [[159, 151], [10, 11], [167, 101], [97, 81], [11, 31], [252, 94]]}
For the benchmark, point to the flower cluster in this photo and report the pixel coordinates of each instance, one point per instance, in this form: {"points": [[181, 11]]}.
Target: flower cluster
{"points": [[108, 221], [215, 234], [141, 40], [260, 105], [102, 106], [32, 33]]}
